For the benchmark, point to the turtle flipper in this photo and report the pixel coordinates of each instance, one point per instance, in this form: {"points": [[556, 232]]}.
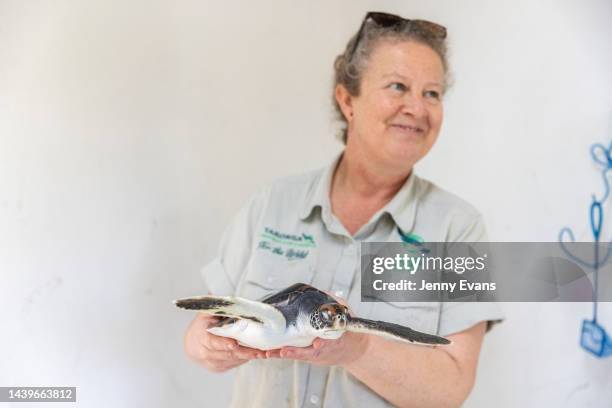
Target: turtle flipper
{"points": [[235, 307], [394, 332]]}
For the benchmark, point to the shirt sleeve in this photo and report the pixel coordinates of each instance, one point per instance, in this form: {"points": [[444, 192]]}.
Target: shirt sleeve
{"points": [[459, 316], [221, 275]]}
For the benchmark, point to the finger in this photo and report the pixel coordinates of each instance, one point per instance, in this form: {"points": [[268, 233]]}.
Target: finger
{"points": [[298, 353], [273, 353], [213, 342], [206, 320], [225, 355], [216, 355], [292, 349], [249, 353], [319, 343]]}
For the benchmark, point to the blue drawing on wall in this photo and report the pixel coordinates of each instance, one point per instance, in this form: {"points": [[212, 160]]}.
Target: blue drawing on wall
{"points": [[594, 337]]}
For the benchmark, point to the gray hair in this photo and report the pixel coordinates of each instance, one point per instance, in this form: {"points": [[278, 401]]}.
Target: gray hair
{"points": [[348, 70]]}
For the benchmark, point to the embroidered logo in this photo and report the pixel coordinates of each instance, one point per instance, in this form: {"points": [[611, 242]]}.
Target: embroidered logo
{"points": [[291, 246], [303, 240], [412, 239]]}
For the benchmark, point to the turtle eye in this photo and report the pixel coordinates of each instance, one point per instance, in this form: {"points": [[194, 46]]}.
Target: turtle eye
{"points": [[325, 315]]}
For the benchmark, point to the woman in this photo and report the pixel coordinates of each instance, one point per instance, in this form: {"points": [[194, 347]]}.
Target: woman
{"points": [[389, 85]]}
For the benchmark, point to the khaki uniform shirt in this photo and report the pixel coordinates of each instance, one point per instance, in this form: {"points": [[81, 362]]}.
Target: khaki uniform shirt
{"points": [[288, 234]]}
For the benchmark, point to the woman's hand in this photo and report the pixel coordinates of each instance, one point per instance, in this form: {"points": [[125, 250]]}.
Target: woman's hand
{"points": [[345, 350], [217, 354]]}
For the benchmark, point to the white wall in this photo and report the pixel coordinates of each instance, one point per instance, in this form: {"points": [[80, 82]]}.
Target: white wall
{"points": [[130, 132]]}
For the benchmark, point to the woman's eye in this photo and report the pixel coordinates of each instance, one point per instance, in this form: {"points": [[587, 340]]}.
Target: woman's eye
{"points": [[398, 86], [432, 94]]}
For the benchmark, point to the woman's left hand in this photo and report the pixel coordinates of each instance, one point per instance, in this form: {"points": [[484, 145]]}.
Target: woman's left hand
{"points": [[342, 351]]}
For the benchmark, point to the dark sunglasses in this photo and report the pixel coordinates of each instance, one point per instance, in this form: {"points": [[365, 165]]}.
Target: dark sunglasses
{"points": [[386, 20]]}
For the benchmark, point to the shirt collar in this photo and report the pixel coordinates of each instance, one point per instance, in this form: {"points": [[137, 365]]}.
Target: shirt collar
{"points": [[402, 207], [318, 195]]}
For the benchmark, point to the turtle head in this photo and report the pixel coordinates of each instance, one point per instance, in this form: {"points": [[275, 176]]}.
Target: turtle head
{"points": [[330, 319]]}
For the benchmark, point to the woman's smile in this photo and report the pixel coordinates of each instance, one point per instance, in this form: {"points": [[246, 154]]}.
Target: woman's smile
{"points": [[406, 129]]}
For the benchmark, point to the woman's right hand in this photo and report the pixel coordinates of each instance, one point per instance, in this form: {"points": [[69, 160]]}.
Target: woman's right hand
{"points": [[216, 353]]}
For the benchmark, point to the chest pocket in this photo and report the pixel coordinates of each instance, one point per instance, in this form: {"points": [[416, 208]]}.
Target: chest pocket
{"points": [[421, 316], [268, 273]]}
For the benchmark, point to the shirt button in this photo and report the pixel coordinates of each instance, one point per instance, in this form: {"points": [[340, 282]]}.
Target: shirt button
{"points": [[314, 399], [339, 293]]}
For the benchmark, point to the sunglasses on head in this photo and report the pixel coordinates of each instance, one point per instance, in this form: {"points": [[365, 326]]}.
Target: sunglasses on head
{"points": [[386, 20]]}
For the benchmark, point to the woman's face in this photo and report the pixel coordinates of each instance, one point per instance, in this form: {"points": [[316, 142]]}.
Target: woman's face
{"points": [[397, 117]]}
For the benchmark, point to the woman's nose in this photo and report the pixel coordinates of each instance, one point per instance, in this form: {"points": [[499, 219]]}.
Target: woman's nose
{"points": [[414, 105]]}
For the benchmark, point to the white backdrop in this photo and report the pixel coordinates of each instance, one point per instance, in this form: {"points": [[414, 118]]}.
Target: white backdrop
{"points": [[130, 133]]}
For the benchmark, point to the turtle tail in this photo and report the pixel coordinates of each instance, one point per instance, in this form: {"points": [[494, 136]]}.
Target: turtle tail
{"points": [[394, 331]]}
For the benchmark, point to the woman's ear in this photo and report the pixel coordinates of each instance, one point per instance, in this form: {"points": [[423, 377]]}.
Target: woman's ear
{"points": [[345, 101]]}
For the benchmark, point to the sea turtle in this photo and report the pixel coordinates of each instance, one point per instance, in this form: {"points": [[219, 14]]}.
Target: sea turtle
{"points": [[294, 316]]}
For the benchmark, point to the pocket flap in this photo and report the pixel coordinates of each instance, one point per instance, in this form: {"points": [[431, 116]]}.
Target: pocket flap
{"points": [[269, 273]]}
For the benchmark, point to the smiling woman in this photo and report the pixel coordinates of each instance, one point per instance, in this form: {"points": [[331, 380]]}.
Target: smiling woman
{"points": [[381, 28], [397, 115], [389, 87]]}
